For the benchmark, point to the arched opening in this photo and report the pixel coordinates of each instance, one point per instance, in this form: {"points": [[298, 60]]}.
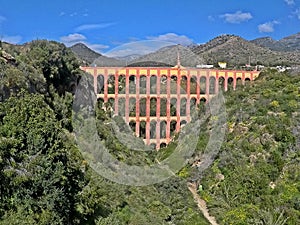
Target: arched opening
{"points": [[173, 84], [153, 102], [183, 123], [162, 145], [153, 84], [193, 84], [212, 85], [193, 104], [122, 82], [100, 102], [121, 106], [111, 84], [153, 146], [183, 85], [163, 107], [143, 84], [183, 107], [132, 84], [111, 103], [163, 84], [202, 100], [163, 128], [239, 82], [173, 107], [222, 83], [143, 107], [152, 129], [132, 107], [173, 125], [132, 125], [202, 85], [230, 83], [247, 81], [100, 82], [143, 129]]}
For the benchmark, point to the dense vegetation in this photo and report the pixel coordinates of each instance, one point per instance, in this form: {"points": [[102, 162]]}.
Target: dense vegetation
{"points": [[45, 179], [259, 164]]}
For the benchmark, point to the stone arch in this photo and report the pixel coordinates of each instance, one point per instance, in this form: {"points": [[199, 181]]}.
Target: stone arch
{"points": [[153, 84], [183, 122], [143, 84], [203, 100], [173, 125], [153, 102], [162, 145], [193, 85], [111, 102], [153, 129], [132, 107], [121, 84], [163, 84], [247, 81], [132, 125], [212, 85], [202, 85], [121, 106], [163, 107], [143, 129], [222, 83], [193, 103], [100, 82], [183, 102], [143, 103], [100, 102], [239, 82], [230, 82], [132, 84], [153, 146], [163, 129], [183, 84], [173, 84], [173, 103], [111, 84]]}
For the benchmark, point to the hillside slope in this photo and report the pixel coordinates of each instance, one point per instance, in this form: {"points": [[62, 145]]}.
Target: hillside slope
{"points": [[255, 179], [288, 44], [237, 51]]}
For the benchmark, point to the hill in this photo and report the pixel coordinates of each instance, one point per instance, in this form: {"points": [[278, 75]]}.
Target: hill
{"points": [[237, 51], [168, 55], [287, 44], [90, 57], [234, 50]]}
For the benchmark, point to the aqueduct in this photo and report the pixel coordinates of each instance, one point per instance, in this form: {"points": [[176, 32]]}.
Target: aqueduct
{"points": [[157, 101]]}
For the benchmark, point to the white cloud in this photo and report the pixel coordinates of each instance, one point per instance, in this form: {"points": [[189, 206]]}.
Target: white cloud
{"points": [[172, 37], [267, 27], [93, 26], [73, 38], [290, 2], [297, 13], [12, 39], [236, 17]]}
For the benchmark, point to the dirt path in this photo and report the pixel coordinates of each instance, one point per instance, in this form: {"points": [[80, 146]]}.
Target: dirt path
{"points": [[201, 204]]}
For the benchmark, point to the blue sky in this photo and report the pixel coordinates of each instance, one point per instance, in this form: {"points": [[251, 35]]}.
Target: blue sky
{"points": [[106, 24]]}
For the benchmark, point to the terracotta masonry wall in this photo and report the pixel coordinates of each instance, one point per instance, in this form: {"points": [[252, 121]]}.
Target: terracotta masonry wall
{"points": [[156, 102]]}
